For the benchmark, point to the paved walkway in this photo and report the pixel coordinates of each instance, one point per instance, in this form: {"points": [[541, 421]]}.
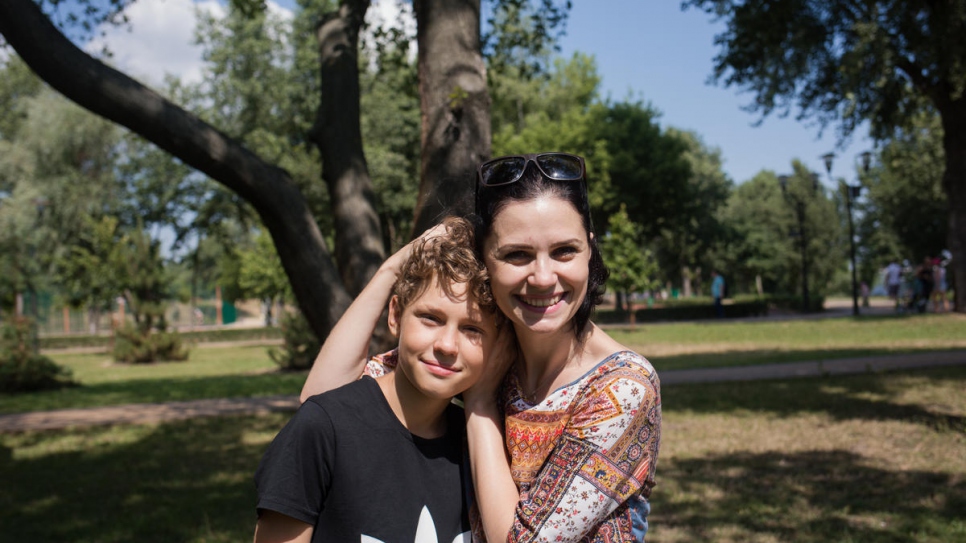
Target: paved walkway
{"points": [[162, 412]]}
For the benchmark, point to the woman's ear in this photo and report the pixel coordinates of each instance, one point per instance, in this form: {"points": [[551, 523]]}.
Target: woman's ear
{"points": [[395, 314]]}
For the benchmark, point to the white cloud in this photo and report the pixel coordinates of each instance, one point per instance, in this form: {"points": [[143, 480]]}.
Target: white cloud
{"points": [[160, 39]]}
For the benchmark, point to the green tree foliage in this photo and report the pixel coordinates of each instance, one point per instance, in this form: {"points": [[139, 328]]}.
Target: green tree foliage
{"points": [[906, 211], [850, 61], [764, 235], [260, 273], [632, 266], [686, 245], [560, 112]]}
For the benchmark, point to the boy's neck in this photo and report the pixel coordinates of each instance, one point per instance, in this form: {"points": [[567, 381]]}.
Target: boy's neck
{"points": [[421, 415]]}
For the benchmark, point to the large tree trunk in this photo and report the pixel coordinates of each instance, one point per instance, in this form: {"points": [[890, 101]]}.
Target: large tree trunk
{"points": [[115, 96], [455, 107], [358, 238], [954, 184]]}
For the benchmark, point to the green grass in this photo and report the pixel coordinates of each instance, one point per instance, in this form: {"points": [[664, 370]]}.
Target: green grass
{"points": [[210, 372], [715, 344], [239, 371], [870, 458]]}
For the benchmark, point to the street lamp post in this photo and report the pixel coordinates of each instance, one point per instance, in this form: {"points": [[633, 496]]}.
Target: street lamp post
{"points": [[798, 204], [852, 193]]}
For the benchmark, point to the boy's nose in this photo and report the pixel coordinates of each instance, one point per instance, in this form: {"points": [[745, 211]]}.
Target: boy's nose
{"points": [[448, 341]]}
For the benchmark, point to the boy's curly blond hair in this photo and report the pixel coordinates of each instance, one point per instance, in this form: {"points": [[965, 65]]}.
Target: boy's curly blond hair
{"points": [[451, 259]]}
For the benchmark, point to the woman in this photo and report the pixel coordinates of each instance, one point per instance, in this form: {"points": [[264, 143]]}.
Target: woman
{"points": [[580, 413]]}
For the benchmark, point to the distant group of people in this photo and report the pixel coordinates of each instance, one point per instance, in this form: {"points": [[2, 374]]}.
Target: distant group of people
{"points": [[914, 288]]}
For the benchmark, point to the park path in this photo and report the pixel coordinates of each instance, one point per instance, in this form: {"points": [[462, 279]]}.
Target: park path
{"points": [[172, 411]]}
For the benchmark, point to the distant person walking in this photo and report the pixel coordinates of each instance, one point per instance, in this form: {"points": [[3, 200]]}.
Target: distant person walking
{"points": [[893, 280], [940, 285], [717, 292]]}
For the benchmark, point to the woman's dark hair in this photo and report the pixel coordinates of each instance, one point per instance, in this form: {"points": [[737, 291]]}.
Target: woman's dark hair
{"points": [[491, 200]]}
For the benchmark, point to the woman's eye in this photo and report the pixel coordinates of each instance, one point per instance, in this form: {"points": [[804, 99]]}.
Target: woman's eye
{"points": [[564, 252], [516, 256]]}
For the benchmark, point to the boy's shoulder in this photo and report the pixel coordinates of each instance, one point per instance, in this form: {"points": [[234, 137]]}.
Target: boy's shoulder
{"points": [[358, 397]]}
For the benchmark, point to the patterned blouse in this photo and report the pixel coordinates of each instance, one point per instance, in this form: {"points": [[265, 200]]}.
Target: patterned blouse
{"points": [[583, 458]]}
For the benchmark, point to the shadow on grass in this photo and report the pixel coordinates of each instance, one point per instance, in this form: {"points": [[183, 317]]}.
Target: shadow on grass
{"points": [[807, 497], [726, 358], [842, 398], [188, 481], [152, 390]]}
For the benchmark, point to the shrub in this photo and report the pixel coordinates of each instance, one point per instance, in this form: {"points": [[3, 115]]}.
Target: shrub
{"points": [[21, 368], [136, 346], [300, 347]]}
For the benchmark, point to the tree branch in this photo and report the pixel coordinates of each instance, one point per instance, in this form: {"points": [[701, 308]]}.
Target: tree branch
{"points": [[269, 189]]}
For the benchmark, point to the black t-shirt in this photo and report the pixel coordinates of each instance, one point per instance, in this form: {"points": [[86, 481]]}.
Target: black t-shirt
{"points": [[346, 465]]}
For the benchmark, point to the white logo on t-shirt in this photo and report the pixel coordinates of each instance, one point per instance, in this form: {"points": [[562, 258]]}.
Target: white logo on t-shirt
{"points": [[425, 531]]}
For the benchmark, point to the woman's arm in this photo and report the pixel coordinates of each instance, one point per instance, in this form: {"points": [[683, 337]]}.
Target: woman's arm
{"points": [[343, 355], [496, 493], [604, 459]]}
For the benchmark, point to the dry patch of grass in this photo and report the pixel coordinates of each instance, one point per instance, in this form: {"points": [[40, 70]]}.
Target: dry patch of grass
{"points": [[866, 458]]}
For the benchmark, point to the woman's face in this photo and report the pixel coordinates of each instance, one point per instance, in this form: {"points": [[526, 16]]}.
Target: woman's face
{"points": [[538, 257]]}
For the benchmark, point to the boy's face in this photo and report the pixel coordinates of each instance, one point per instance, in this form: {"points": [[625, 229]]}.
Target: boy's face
{"points": [[442, 341]]}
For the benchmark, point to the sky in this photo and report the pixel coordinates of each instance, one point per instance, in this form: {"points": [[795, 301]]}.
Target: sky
{"points": [[645, 49]]}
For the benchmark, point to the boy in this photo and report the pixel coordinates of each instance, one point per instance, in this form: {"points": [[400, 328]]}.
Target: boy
{"points": [[381, 459]]}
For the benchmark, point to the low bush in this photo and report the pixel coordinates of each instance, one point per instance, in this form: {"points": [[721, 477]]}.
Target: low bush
{"points": [[22, 369], [190, 336], [300, 347], [683, 312], [136, 346]]}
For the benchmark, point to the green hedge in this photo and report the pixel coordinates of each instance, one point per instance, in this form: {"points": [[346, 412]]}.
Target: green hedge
{"points": [[683, 312], [194, 336]]}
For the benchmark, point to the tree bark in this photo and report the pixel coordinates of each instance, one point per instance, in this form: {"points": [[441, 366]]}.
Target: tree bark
{"points": [[115, 96], [455, 107], [338, 135], [954, 185]]}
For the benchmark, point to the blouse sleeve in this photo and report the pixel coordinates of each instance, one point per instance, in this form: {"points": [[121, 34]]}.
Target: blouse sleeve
{"points": [[381, 364], [598, 477]]}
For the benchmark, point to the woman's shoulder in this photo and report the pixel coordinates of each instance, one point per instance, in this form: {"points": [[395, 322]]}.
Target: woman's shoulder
{"points": [[625, 364]]}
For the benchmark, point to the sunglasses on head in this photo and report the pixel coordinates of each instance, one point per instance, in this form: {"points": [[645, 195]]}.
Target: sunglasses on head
{"points": [[506, 170]]}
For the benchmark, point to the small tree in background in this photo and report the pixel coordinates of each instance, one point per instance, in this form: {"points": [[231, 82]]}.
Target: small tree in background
{"points": [[632, 267], [145, 281]]}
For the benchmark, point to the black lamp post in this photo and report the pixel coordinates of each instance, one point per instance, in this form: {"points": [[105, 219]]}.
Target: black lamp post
{"points": [[798, 204], [852, 193]]}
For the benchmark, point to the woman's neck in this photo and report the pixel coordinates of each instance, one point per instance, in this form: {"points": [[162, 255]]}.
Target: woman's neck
{"points": [[547, 359], [552, 360]]}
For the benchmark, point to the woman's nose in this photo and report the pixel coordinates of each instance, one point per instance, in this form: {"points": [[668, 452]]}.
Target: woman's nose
{"points": [[542, 274]]}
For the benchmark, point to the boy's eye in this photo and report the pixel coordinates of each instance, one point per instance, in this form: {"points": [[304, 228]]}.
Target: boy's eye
{"points": [[473, 333], [429, 318]]}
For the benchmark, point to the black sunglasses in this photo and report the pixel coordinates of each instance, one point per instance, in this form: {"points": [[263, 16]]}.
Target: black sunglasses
{"points": [[506, 170]]}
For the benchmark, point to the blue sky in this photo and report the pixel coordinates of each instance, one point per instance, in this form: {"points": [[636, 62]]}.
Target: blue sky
{"points": [[653, 51], [645, 49]]}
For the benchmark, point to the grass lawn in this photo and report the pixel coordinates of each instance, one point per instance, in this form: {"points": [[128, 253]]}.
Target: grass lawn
{"points": [[209, 372], [239, 371], [870, 458], [733, 343]]}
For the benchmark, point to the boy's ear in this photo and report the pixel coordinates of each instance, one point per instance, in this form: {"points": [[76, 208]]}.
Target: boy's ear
{"points": [[395, 313]]}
